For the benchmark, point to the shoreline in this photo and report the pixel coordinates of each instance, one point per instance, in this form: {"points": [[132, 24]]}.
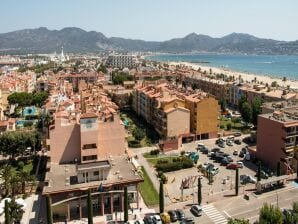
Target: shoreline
{"points": [[246, 76]]}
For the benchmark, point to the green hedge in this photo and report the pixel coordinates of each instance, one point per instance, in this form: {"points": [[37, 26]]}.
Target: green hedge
{"points": [[134, 144], [175, 164]]}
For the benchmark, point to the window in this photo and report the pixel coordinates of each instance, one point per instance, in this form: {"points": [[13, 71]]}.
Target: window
{"points": [[89, 123], [86, 158], [95, 173], [90, 146]]}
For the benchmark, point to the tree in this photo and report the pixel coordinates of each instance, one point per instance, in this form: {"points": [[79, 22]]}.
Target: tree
{"points": [[15, 211], [256, 109], [6, 212], [49, 210], [223, 104], [270, 214], [161, 197], [199, 191], [89, 207], [241, 102], [229, 126], [5, 174], [238, 221], [237, 182], [125, 204], [102, 69], [39, 98], [138, 133], [274, 84], [259, 172], [246, 112]]}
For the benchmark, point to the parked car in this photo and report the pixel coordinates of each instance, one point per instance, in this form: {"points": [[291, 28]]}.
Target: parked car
{"points": [[221, 144], [201, 146], [187, 220], [231, 139], [215, 150], [224, 162], [244, 179], [235, 153], [148, 220], [165, 218], [229, 143], [139, 222], [187, 153], [242, 154], [237, 141], [196, 210], [232, 166], [230, 159], [173, 215], [214, 170], [180, 214], [240, 164], [156, 219], [237, 134], [205, 150]]}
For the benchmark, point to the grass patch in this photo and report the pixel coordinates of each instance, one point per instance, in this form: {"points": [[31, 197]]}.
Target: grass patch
{"points": [[153, 159], [148, 191], [148, 155]]}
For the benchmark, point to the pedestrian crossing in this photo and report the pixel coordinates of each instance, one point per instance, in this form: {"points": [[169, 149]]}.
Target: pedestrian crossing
{"points": [[214, 214]]}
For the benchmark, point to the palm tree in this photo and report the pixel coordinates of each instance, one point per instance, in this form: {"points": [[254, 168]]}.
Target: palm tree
{"points": [[6, 174], [7, 212], [24, 178], [16, 211], [15, 182]]}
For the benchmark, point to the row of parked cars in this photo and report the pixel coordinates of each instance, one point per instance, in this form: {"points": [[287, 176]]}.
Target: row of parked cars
{"points": [[171, 216]]}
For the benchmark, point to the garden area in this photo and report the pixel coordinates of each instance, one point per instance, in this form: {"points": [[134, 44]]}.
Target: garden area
{"points": [[233, 124], [141, 133], [148, 192]]}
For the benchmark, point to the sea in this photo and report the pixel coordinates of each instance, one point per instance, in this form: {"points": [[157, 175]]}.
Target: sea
{"points": [[278, 66]]}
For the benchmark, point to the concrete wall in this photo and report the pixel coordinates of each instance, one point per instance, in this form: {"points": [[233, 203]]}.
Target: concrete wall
{"points": [[270, 143], [65, 142], [178, 122], [207, 117]]}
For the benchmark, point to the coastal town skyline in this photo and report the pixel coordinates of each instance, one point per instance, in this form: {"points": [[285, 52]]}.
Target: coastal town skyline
{"points": [[159, 21]]}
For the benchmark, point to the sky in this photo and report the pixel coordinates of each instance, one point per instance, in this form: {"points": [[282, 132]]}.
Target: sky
{"points": [[156, 19]]}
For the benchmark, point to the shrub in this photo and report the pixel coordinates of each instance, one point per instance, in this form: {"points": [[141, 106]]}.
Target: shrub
{"points": [[229, 126], [182, 163], [182, 153], [162, 161], [20, 165], [154, 152], [134, 144], [222, 126]]}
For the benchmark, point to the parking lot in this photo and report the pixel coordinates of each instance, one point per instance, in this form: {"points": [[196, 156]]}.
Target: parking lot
{"points": [[223, 181]]}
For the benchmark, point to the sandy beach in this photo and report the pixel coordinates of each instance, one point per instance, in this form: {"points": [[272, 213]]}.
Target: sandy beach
{"points": [[247, 77]]}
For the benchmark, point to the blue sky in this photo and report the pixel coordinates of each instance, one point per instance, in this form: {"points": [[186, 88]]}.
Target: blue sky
{"points": [[156, 19]]}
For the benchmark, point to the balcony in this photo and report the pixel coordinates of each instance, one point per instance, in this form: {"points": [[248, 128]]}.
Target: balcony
{"points": [[292, 133]]}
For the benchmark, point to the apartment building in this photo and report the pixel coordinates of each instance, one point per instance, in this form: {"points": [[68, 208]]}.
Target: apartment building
{"points": [[120, 61], [277, 139], [204, 112], [217, 88], [87, 150]]}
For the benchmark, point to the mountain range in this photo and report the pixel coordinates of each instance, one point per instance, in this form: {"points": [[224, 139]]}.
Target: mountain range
{"points": [[76, 40]]}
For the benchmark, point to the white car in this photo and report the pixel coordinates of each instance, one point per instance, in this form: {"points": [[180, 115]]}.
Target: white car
{"points": [[156, 219], [240, 164]]}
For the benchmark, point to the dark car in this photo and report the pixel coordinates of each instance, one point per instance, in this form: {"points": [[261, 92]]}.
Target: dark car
{"points": [[215, 150], [204, 150], [237, 141], [180, 214], [187, 220], [230, 159], [148, 220], [173, 215], [241, 154], [219, 158], [237, 134], [224, 162]]}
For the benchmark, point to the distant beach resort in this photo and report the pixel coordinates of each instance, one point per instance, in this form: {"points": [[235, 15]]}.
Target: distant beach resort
{"points": [[267, 68]]}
